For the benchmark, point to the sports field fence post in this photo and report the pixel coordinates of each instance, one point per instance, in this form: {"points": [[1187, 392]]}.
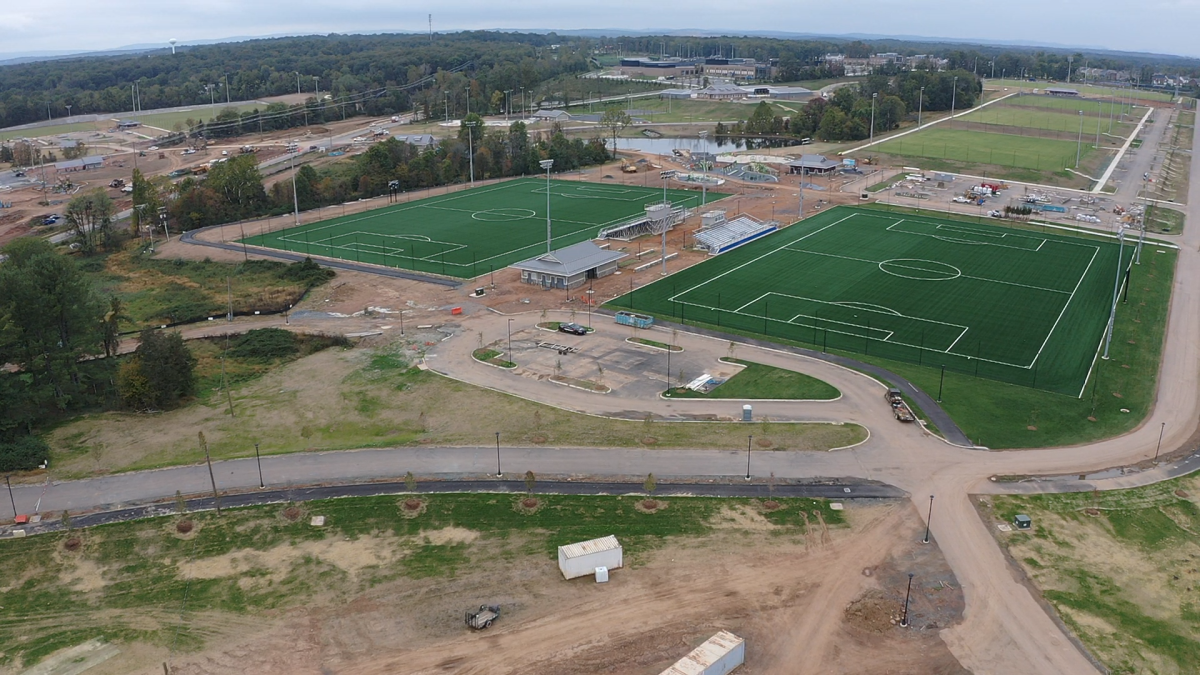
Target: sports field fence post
{"points": [[718, 310], [766, 313], [978, 349], [941, 381], [825, 341]]}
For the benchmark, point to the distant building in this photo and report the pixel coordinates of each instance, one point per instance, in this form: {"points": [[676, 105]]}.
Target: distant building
{"points": [[733, 92], [569, 267], [71, 165], [552, 116], [814, 165], [422, 141]]}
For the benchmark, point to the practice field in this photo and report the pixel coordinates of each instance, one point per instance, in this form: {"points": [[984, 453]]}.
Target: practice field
{"points": [[1012, 305], [1048, 118], [981, 147], [469, 233], [1084, 89]]}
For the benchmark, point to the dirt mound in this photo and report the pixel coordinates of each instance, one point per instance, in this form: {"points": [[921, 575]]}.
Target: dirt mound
{"points": [[874, 612]]}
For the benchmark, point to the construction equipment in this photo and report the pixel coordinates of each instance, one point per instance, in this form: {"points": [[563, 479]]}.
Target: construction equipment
{"points": [[899, 408], [117, 183], [484, 617], [628, 168]]}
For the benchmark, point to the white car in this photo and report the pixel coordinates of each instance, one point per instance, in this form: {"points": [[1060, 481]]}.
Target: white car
{"points": [[153, 147], [961, 200], [995, 214], [224, 153]]}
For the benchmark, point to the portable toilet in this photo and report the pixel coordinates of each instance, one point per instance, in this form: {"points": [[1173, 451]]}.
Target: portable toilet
{"points": [[747, 413], [1022, 521]]}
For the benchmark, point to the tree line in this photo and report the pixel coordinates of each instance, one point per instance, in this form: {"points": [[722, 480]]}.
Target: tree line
{"points": [[847, 114], [233, 190]]}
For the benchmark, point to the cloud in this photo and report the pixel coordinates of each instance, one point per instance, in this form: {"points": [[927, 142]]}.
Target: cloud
{"points": [[79, 24]]}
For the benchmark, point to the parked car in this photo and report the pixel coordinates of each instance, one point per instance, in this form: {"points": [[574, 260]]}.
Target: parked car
{"points": [[995, 214], [961, 200], [572, 328], [50, 220]]}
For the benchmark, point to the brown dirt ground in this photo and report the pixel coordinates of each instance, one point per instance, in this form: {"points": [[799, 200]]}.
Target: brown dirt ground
{"points": [[787, 599]]}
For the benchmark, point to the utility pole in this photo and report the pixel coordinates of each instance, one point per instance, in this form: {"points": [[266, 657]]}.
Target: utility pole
{"points": [[1079, 144], [212, 477], [874, 96], [920, 107]]}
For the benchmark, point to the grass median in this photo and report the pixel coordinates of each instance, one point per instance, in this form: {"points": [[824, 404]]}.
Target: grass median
{"points": [[353, 398], [1119, 567], [758, 381]]}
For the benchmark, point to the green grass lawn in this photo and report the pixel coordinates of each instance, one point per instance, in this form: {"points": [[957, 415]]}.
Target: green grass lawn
{"points": [[51, 130], [1084, 89], [1119, 568], [469, 233], [1047, 119], [137, 585], [758, 381], [1015, 306], [167, 120], [1164, 221], [1027, 152]]}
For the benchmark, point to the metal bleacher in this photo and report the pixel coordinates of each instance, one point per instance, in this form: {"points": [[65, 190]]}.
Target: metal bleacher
{"points": [[733, 233]]}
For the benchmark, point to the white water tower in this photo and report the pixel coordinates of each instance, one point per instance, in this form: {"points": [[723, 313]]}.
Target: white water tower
{"points": [[172, 41]]}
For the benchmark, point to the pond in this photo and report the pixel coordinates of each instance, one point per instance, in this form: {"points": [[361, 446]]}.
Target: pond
{"points": [[664, 146]]}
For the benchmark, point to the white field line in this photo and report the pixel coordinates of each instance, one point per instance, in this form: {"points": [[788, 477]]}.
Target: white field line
{"points": [[1095, 252], [754, 260], [926, 126], [1112, 166]]}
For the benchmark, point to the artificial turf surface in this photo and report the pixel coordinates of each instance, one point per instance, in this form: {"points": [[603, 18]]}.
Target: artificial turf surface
{"points": [[471, 232], [1017, 306]]}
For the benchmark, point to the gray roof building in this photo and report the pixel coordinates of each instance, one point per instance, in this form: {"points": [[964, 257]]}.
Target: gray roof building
{"points": [[813, 164], [420, 140], [569, 267], [552, 115]]}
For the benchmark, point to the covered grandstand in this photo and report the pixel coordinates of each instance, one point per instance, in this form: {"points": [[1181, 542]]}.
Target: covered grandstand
{"points": [[720, 235]]}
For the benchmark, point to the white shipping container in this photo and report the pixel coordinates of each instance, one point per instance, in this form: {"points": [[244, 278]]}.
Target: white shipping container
{"points": [[582, 559], [721, 654]]}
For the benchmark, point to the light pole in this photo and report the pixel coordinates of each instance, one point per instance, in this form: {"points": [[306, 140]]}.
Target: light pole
{"points": [[10, 496], [953, 96], [297, 81], [295, 198], [1112, 315], [800, 210], [471, 148], [920, 107], [928, 520], [1160, 435], [510, 340], [666, 176], [704, 172], [507, 103], [907, 595], [258, 460], [227, 89], [499, 474], [1079, 144], [546, 164], [874, 96], [748, 440]]}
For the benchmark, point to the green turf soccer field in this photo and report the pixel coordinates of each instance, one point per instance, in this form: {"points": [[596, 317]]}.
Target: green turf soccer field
{"points": [[471, 232], [1013, 305]]}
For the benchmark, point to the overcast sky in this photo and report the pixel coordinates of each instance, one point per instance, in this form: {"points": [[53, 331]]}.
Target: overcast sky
{"points": [[1163, 26]]}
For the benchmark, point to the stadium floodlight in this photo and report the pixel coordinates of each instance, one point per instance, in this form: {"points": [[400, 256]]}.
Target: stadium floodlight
{"points": [[920, 107], [1079, 143], [874, 96], [704, 171], [546, 164], [666, 176], [1112, 315], [471, 147]]}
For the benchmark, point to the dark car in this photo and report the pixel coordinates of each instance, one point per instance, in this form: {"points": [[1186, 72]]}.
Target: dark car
{"points": [[50, 220], [572, 328]]}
